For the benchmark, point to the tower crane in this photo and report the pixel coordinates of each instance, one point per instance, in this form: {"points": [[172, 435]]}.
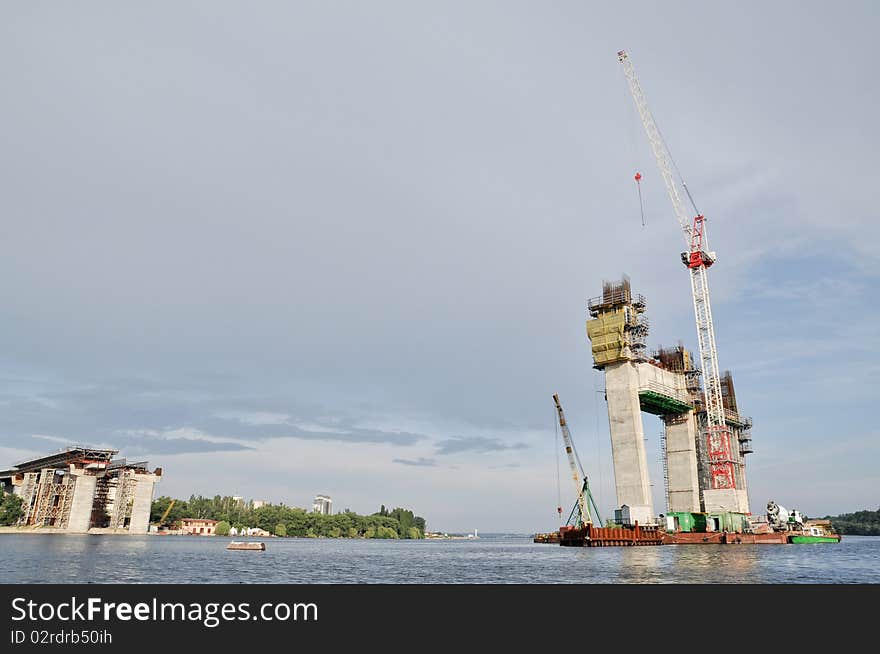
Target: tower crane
{"points": [[582, 488], [697, 259]]}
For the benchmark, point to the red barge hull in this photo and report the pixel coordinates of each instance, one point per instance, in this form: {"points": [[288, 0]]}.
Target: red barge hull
{"points": [[590, 536], [723, 538]]}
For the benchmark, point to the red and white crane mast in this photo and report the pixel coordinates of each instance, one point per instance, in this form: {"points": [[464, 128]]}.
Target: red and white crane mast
{"points": [[697, 259]]}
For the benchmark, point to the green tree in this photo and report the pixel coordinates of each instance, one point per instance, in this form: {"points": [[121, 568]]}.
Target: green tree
{"points": [[297, 522], [280, 529], [10, 509], [386, 532], [222, 528], [860, 523]]}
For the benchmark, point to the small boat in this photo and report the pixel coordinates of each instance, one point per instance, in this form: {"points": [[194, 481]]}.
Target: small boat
{"points": [[815, 533], [239, 545], [551, 537]]}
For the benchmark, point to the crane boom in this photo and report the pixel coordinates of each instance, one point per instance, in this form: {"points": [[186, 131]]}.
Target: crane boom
{"points": [[575, 475], [165, 514], [697, 259], [658, 146]]}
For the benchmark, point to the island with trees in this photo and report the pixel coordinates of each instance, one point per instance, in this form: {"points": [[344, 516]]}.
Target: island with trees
{"points": [[281, 520]]}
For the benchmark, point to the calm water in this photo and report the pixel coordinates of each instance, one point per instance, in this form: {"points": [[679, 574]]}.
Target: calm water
{"points": [[489, 560]]}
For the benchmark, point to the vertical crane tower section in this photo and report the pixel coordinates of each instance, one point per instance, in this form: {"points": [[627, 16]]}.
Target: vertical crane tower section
{"points": [[697, 259]]}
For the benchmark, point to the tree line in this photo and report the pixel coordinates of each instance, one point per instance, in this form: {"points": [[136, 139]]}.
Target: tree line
{"points": [[860, 523], [11, 509], [289, 521]]}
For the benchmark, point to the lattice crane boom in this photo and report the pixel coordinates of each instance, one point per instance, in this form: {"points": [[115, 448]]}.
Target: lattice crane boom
{"points": [[572, 462], [697, 259]]}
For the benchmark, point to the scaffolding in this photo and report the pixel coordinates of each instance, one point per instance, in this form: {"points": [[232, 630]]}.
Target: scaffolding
{"points": [[99, 517], [123, 499], [618, 327]]}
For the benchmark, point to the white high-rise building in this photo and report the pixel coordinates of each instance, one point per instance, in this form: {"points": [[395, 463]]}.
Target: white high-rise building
{"points": [[323, 504]]}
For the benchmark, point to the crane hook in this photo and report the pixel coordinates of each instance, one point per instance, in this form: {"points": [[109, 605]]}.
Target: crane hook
{"points": [[638, 178]]}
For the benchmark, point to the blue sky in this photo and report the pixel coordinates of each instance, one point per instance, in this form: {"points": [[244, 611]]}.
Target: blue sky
{"points": [[307, 249]]}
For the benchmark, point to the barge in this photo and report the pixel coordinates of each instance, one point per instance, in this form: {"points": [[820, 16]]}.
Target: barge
{"points": [[592, 536]]}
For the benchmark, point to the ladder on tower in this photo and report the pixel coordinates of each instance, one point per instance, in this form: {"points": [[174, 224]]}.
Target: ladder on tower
{"points": [[665, 462]]}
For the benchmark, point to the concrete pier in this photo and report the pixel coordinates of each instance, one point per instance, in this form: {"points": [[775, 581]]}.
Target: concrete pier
{"points": [[80, 517], [628, 441], [142, 502], [681, 463]]}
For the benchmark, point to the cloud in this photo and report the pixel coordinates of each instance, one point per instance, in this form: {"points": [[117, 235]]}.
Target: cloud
{"points": [[53, 439], [305, 428], [257, 417], [480, 444], [356, 436], [138, 442], [420, 462], [177, 446]]}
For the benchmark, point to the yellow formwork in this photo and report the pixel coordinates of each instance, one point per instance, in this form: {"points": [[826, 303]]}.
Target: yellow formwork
{"points": [[606, 333]]}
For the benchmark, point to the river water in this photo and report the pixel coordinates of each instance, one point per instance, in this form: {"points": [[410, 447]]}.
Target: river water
{"points": [[492, 559]]}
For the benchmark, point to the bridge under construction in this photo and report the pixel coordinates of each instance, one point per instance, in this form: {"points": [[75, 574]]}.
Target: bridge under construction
{"points": [[81, 489]]}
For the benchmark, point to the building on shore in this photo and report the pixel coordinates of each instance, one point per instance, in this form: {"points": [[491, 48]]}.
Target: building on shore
{"points": [[81, 488], [323, 504], [257, 504], [198, 526]]}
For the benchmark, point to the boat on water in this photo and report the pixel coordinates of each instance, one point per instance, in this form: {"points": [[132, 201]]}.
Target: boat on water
{"points": [[550, 537], [815, 533], [248, 546]]}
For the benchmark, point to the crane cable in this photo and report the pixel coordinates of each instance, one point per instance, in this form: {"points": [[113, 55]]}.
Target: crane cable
{"points": [[633, 149], [675, 166], [558, 484], [638, 178]]}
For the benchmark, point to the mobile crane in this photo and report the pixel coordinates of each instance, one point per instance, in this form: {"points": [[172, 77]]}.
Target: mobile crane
{"points": [[584, 496]]}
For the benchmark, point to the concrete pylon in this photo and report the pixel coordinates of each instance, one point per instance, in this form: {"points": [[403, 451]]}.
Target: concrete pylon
{"points": [[681, 463], [631, 477], [141, 503], [81, 506]]}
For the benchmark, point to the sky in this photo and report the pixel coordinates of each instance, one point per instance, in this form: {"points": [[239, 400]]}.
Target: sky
{"points": [[345, 248]]}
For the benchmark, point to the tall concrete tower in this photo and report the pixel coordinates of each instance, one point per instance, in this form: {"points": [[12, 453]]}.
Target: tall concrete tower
{"points": [[665, 384], [617, 329]]}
